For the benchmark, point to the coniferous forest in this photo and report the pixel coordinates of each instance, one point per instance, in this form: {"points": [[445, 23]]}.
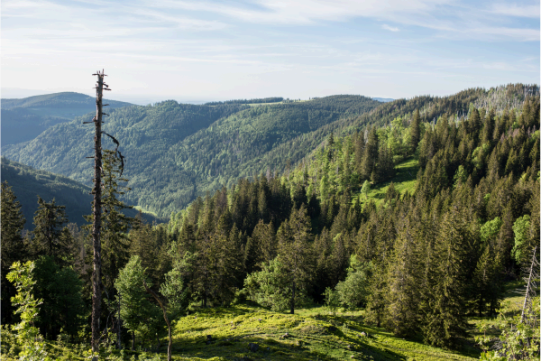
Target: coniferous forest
{"points": [[334, 228]]}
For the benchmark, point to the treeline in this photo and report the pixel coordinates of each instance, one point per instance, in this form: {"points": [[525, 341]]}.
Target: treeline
{"points": [[249, 101], [419, 262]]}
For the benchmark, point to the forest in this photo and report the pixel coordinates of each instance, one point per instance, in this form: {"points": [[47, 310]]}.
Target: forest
{"points": [[417, 214]]}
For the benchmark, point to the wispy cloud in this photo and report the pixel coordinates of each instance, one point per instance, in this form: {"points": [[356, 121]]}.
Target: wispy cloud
{"points": [[390, 28], [524, 11], [270, 42]]}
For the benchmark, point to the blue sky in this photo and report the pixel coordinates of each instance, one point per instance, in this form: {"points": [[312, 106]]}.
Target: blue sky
{"points": [[204, 50]]}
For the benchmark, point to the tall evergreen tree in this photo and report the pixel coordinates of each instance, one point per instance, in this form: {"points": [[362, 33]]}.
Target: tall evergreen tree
{"points": [[415, 131], [370, 156], [445, 319], [13, 246], [49, 237], [294, 251]]}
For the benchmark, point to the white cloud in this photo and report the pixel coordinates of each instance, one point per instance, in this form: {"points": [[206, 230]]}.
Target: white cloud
{"points": [[309, 11], [390, 28], [526, 11], [497, 33]]}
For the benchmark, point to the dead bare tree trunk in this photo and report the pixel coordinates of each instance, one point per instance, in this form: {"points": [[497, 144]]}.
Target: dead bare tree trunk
{"points": [[530, 286], [96, 212]]}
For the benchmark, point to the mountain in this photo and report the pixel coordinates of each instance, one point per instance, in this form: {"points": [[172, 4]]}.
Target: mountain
{"points": [[176, 152], [27, 183], [384, 100], [24, 119]]}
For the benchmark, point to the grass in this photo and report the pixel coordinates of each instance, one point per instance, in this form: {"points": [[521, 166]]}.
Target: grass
{"points": [[404, 181], [140, 209], [309, 334]]}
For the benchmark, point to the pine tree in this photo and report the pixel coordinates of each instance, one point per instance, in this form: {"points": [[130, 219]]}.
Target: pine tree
{"points": [[415, 131], [115, 225], [445, 319], [330, 145], [370, 156], [265, 239], [13, 246], [402, 298], [295, 252], [49, 237]]}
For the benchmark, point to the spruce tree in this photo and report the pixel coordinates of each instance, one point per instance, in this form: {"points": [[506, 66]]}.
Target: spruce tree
{"points": [[115, 225], [49, 237], [445, 318], [295, 252], [415, 131], [370, 156], [403, 279], [13, 246]]}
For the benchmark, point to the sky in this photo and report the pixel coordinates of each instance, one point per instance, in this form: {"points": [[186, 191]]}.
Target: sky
{"points": [[201, 50]]}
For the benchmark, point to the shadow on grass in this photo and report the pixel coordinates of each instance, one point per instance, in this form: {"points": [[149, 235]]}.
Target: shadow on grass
{"points": [[295, 347]]}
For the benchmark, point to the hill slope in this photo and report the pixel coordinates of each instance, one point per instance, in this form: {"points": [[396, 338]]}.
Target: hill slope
{"points": [[27, 183], [24, 119], [176, 152]]}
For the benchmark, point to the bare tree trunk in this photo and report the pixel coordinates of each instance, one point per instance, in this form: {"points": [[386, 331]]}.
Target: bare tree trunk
{"points": [[119, 345], [96, 226], [529, 286], [293, 298]]}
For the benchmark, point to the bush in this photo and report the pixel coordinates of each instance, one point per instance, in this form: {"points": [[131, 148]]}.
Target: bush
{"points": [[353, 291]]}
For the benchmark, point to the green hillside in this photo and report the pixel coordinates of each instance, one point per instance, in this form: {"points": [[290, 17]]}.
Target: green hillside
{"points": [[176, 152], [24, 119], [409, 221], [27, 183]]}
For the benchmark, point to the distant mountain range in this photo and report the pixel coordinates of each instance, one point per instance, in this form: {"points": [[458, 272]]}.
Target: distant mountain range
{"points": [[178, 152], [384, 100], [24, 119]]}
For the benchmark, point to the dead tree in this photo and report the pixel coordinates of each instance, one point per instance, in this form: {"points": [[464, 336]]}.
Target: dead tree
{"points": [[96, 212], [531, 291]]}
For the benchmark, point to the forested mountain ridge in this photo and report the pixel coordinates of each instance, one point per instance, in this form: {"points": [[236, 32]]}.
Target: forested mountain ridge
{"points": [[24, 119], [420, 262], [423, 262], [175, 152], [28, 183]]}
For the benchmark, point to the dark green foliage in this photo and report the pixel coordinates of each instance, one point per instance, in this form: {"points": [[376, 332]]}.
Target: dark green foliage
{"points": [[27, 183], [139, 315], [420, 260], [353, 291], [294, 252], [271, 287], [249, 101], [49, 237], [60, 289], [14, 249], [415, 131], [115, 225], [449, 281]]}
